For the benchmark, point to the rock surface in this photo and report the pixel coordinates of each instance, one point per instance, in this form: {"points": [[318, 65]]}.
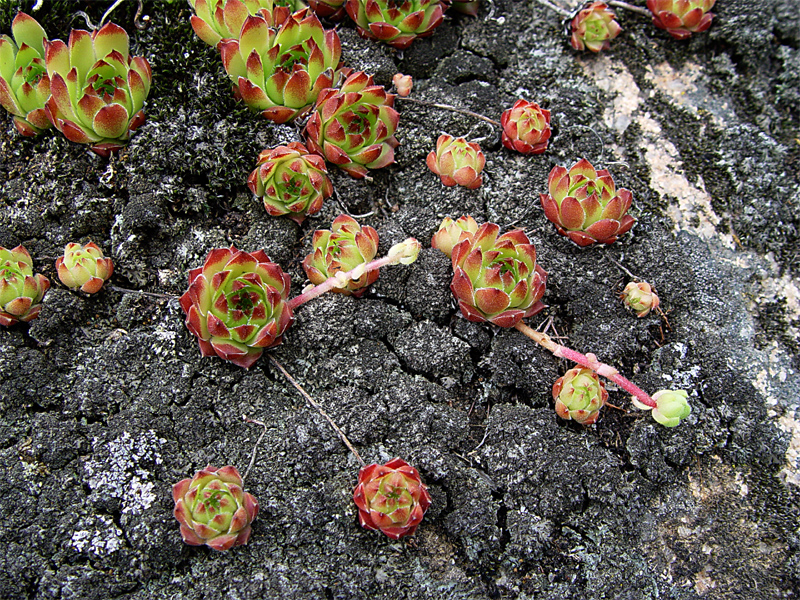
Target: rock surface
{"points": [[105, 401]]}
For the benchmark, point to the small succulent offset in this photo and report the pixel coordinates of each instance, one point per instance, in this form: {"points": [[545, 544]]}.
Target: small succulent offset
{"points": [[21, 291], [496, 279], [681, 18], [213, 509], [457, 162], [671, 407], [97, 89], [24, 82], [281, 72], [84, 267], [593, 27], [396, 22], [640, 298], [236, 305], [585, 206], [291, 181], [526, 127], [579, 395], [391, 498], [216, 20], [353, 126], [451, 232], [403, 84], [342, 248]]}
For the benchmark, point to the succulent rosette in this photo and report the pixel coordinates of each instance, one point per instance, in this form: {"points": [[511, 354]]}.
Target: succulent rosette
{"points": [[640, 298], [21, 291], [213, 509], [526, 127], [396, 22], [236, 305], [457, 162], [585, 206], [593, 27], [281, 72], [496, 279], [216, 20], [681, 18], [291, 181], [330, 9], [451, 232], [391, 498], [353, 127], [466, 7], [97, 89], [671, 407], [24, 82], [343, 247], [579, 395], [84, 267]]}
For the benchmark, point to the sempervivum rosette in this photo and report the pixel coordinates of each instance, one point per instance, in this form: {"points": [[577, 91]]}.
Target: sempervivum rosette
{"points": [[213, 509], [353, 127], [216, 20], [593, 27], [236, 305], [24, 82], [396, 22], [342, 248], [281, 72], [526, 127], [391, 498], [97, 89], [496, 279], [291, 181], [457, 162], [84, 267], [681, 18], [451, 232], [640, 297], [579, 395], [585, 206], [21, 291]]}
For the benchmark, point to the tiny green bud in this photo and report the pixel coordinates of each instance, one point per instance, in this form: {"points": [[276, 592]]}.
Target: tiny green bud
{"points": [[671, 407]]}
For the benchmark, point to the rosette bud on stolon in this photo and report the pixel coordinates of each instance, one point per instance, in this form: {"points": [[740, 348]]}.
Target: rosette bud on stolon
{"points": [[526, 128], [281, 72], [391, 498], [97, 89], [353, 127], [681, 18], [213, 509], [236, 305], [451, 232], [640, 298], [216, 20], [593, 27], [24, 82], [579, 395], [671, 407], [496, 279], [291, 181], [585, 206], [84, 267], [396, 22], [457, 162], [342, 248], [21, 291]]}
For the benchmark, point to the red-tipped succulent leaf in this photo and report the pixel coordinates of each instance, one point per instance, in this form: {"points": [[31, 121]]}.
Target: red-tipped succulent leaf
{"points": [[391, 498]]}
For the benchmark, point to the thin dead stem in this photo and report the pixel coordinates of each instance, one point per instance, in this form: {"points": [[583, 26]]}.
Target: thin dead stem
{"points": [[255, 448]]}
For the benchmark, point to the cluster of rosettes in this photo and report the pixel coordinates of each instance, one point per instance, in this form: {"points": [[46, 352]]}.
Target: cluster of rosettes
{"points": [[89, 88], [585, 206], [681, 18], [579, 395], [84, 267], [342, 248], [216, 20], [593, 27], [21, 291], [495, 277], [236, 305], [213, 509]]}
